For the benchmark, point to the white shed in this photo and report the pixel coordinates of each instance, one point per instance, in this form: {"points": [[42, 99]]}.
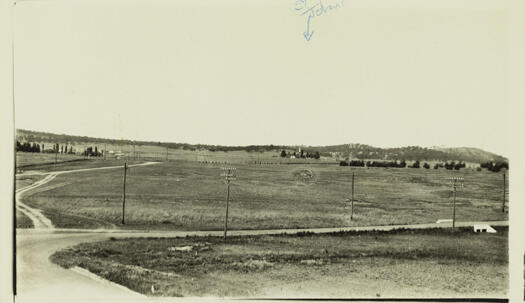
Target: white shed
{"points": [[484, 228]]}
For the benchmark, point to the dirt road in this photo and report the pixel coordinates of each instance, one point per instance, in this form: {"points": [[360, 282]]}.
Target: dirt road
{"points": [[39, 220]]}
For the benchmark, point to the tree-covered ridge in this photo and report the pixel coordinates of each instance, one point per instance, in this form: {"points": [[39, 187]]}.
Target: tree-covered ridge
{"points": [[340, 152]]}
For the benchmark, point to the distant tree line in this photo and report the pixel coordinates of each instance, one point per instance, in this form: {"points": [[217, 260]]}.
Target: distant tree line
{"points": [[302, 154], [40, 148], [402, 164], [28, 147], [56, 148], [361, 163], [90, 152], [60, 149], [357, 163], [495, 166], [29, 135]]}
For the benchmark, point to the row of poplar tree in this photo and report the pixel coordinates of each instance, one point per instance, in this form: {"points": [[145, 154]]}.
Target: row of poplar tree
{"points": [[41, 148], [56, 148]]}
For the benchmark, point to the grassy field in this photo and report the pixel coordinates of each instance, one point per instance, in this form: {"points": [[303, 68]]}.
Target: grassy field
{"points": [[191, 196], [27, 160], [78, 164], [158, 153], [422, 263], [26, 180]]}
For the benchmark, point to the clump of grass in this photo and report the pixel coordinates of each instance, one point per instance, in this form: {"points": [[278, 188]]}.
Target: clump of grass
{"points": [[251, 265]]}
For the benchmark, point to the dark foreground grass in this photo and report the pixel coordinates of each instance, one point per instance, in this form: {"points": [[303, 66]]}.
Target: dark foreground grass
{"points": [[181, 195], [402, 263], [22, 221]]}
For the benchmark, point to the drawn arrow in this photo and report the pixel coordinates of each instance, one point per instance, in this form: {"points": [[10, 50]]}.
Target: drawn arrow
{"points": [[308, 35]]}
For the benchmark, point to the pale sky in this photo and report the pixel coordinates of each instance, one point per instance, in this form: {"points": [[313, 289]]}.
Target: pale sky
{"points": [[242, 73]]}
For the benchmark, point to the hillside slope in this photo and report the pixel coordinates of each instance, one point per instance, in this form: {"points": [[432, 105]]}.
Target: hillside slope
{"points": [[474, 153]]}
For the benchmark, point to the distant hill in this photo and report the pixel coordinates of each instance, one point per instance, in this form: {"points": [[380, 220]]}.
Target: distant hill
{"points": [[23, 135], [476, 154], [342, 151], [465, 154]]}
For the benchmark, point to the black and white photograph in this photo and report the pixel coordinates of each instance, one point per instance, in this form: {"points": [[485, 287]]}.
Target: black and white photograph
{"points": [[267, 150]]}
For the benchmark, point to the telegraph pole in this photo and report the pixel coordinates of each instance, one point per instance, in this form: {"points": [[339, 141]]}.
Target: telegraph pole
{"points": [[352, 211], [230, 176], [351, 200], [455, 185], [504, 191], [124, 193], [105, 151]]}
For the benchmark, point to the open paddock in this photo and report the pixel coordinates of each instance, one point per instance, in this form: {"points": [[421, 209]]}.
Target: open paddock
{"points": [[186, 195]]}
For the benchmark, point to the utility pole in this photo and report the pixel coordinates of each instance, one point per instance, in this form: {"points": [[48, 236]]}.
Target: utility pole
{"points": [[351, 200], [352, 211], [124, 193], [456, 182], [230, 176], [504, 191], [105, 151]]}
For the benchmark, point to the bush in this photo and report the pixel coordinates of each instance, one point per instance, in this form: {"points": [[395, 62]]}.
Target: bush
{"points": [[415, 165]]}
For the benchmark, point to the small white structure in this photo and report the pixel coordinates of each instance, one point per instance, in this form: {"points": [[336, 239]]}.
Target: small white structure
{"points": [[484, 228]]}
